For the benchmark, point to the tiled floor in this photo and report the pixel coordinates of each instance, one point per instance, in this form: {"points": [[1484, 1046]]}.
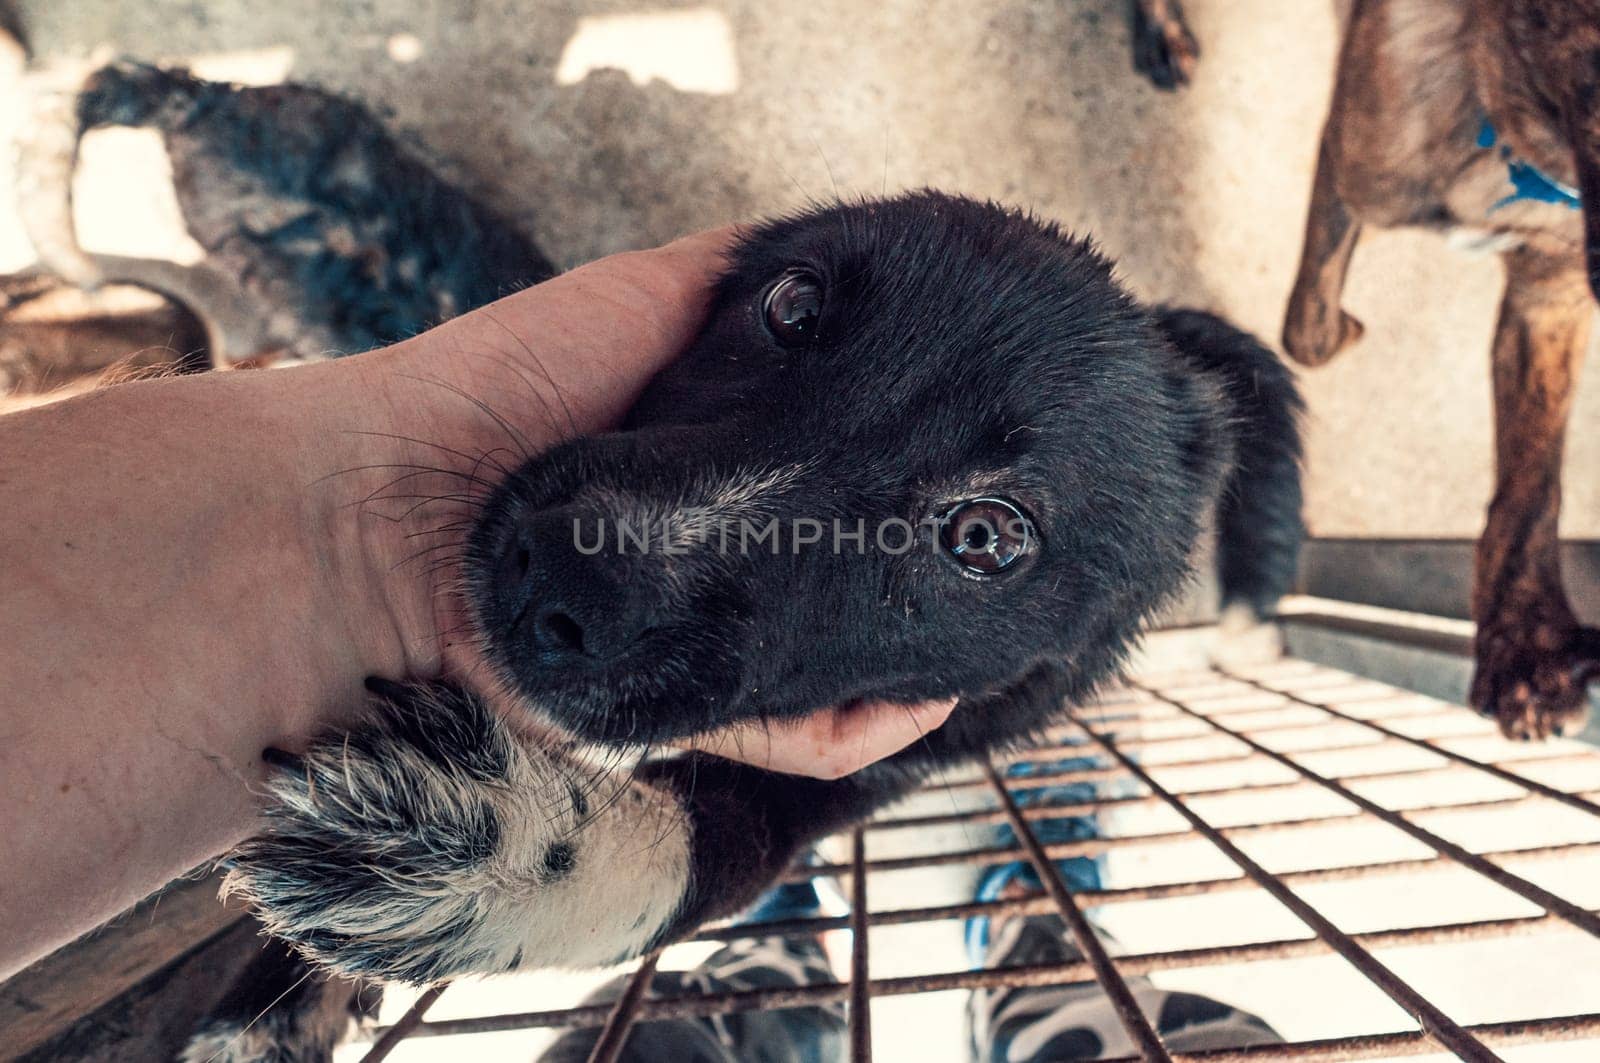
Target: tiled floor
{"points": [[1339, 790]]}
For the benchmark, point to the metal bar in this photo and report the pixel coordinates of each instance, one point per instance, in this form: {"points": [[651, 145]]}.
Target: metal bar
{"points": [[1098, 804], [1153, 702], [1445, 642], [860, 1012], [1127, 894], [619, 1023], [1049, 778], [1440, 1026], [1390, 1045], [697, 1006], [1425, 705], [1105, 972], [995, 815], [1529, 891], [1099, 846], [1039, 753], [405, 1025], [1049, 810], [1073, 775], [1493, 769]]}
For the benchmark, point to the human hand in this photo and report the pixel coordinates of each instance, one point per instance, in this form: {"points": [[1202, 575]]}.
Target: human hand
{"points": [[828, 744], [566, 358], [449, 412]]}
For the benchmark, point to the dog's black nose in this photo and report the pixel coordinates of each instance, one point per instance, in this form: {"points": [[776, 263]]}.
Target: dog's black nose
{"points": [[565, 604]]}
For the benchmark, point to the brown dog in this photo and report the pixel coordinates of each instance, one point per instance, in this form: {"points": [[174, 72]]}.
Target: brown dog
{"points": [[1163, 48], [1482, 115]]}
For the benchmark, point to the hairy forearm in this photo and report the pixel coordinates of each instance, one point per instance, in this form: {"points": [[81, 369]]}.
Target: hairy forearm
{"points": [[194, 569], [167, 589]]}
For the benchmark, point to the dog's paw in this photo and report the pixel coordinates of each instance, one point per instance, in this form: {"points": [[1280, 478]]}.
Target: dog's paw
{"points": [[260, 1043], [1533, 678], [1244, 639], [1314, 334], [431, 842], [1164, 49], [279, 1010], [277, 1035]]}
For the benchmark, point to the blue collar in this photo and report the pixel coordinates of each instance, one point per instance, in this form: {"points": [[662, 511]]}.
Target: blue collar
{"points": [[1527, 180]]}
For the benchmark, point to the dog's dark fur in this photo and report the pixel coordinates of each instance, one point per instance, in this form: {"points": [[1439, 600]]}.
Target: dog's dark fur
{"points": [[1417, 79], [1164, 49], [1060, 378], [323, 235], [963, 351], [1115, 428]]}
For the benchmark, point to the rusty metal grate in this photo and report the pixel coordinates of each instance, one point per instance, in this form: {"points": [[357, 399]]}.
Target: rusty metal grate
{"points": [[1180, 748]]}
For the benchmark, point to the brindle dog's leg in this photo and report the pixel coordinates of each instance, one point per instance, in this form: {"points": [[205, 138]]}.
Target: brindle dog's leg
{"points": [[1164, 50], [1400, 132], [1316, 327], [1533, 659]]}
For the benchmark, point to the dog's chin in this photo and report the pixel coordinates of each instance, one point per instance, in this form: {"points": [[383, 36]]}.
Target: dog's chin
{"points": [[611, 711], [597, 716], [469, 661], [532, 723]]}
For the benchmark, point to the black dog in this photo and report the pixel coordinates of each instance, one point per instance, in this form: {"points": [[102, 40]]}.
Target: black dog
{"points": [[927, 363], [930, 365], [923, 447]]}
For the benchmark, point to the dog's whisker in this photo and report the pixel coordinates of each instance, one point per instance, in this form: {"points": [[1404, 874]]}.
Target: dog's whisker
{"points": [[450, 528], [246, 1028], [464, 501], [419, 470], [449, 550], [538, 362], [941, 774], [806, 198], [517, 367], [474, 461], [488, 458], [385, 493], [826, 165], [883, 189], [511, 432]]}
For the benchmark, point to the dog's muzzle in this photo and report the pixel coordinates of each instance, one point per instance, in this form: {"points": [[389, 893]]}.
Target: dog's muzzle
{"points": [[571, 603]]}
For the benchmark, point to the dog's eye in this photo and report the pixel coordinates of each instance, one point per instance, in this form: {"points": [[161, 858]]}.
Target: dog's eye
{"points": [[986, 535], [791, 308]]}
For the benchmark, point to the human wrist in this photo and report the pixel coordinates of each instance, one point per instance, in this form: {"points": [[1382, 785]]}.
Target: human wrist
{"points": [[409, 440], [398, 447], [341, 433]]}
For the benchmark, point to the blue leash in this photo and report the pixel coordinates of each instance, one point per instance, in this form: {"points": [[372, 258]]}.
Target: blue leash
{"points": [[1528, 181]]}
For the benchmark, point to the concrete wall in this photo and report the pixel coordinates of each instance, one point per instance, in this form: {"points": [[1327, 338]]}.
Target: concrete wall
{"points": [[739, 108]]}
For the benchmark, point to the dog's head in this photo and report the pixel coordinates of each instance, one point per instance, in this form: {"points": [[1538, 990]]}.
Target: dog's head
{"points": [[920, 447]]}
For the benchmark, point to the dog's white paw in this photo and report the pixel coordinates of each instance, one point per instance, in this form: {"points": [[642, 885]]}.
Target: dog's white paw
{"points": [[432, 842], [1244, 639], [269, 1039], [227, 1044]]}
